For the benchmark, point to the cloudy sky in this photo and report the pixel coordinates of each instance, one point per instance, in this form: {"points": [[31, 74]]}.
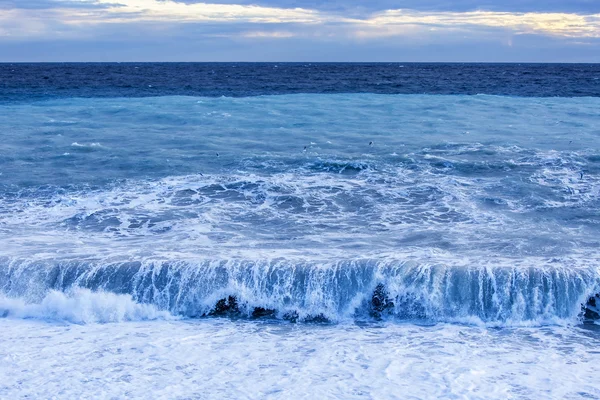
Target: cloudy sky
{"points": [[293, 30]]}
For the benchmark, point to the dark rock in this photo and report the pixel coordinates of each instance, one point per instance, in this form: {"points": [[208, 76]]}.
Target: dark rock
{"points": [[291, 316], [260, 312], [380, 302], [226, 307], [317, 319], [590, 310]]}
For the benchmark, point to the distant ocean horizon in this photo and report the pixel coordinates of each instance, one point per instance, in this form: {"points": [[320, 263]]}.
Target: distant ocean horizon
{"points": [[285, 230], [38, 81]]}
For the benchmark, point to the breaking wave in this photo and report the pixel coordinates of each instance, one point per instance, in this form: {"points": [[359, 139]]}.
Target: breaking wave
{"points": [[83, 292], [81, 306]]}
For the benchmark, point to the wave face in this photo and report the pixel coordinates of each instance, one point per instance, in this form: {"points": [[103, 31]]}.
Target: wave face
{"points": [[305, 207], [334, 292]]}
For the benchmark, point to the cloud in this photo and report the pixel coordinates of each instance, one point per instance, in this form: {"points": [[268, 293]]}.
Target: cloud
{"points": [[168, 23], [386, 23], [213, 43], [162, 10], [556, 24], [268, 34], [356, 7], [51, 4], [72, 17], [362, 7]]}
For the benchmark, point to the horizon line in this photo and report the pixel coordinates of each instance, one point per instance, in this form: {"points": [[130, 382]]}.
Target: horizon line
{"points": [[304, 62]]}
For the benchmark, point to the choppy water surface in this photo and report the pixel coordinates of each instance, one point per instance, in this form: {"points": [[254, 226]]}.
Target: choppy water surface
{"points": [[26, 82], [468, 225]]}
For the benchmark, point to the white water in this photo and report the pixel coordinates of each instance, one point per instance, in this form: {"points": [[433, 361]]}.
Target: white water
{"points": [[84, 344], [81, 306], [220, 358], [516, 293]]}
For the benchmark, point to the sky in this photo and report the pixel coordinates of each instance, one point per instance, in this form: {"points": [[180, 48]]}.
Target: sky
{"points": [[292, 30]]}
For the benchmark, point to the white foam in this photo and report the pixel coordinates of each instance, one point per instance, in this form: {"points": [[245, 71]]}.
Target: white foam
{"points": [[390, 209], [214, 359], [86, 145], [81, 306]]}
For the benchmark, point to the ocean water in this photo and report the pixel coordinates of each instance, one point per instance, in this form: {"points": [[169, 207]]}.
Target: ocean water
{"points": [[269, 237]]}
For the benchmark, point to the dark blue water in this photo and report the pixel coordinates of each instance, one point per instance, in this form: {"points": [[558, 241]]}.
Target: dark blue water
{"points": [[23, 82]]}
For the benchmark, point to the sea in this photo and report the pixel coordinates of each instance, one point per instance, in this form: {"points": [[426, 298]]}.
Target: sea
{"points": [[299, 231]]}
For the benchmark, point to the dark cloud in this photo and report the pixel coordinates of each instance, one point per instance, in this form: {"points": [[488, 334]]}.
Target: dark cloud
{"points": [[362, 6], [355, 7]]}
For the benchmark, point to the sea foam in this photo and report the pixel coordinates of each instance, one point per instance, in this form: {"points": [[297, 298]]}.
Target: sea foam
{"points": [[81, 306]]}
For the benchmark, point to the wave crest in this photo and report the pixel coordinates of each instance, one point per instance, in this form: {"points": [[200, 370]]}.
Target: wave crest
{"points": [[81, 306], [298, 290]]}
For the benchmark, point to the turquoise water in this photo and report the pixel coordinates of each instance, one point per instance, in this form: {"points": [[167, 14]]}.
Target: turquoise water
{"points": [[301, 245]]}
